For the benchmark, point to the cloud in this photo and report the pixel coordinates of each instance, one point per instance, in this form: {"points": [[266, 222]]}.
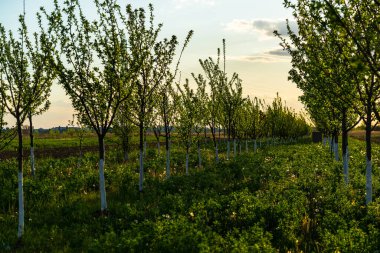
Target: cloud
{"points": [[185, 3], [264, 27], [278, 52], [271, 56]]}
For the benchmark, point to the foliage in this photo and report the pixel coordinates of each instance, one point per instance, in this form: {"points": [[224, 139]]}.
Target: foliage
{"points": [[282, 198]]}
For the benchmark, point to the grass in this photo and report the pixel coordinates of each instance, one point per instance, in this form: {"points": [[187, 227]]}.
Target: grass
{"points": [[283, 198]]}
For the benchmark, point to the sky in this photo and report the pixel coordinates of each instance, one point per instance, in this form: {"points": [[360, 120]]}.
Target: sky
{"points": [[252, 51]]}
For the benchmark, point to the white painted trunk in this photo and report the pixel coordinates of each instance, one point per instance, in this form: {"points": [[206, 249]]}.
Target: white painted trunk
{"points": [[255, 146], [103, 198], [187, 163], [324, 141], [168, 162], [368, 187], [228, 150], [141, 179], [158, 147], [239, 146], [32, 160], [20, 206]]}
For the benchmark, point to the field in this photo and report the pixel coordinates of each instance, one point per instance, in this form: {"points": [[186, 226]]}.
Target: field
{"points": [[288, 197]]}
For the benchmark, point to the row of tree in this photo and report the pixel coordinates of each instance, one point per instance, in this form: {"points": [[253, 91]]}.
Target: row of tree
{"points": [[335, 62], [118, 73]]}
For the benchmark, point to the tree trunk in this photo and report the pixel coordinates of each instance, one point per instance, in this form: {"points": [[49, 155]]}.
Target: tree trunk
{"points": [[246, 146], [102, 185], [368, 198], [220, 130], [20, 184], [344, 146], [255, 145], [31, 145]]}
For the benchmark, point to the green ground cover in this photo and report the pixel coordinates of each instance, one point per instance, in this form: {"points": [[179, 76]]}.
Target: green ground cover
{"points": [[283, 198]]}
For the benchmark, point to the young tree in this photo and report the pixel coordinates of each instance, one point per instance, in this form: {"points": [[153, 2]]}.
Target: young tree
{"points": [[167, 103], [157, 130], [200, 121], [360, 22], [123, 128], [94, 66], [36, 111], [321, 55], [25, 82], [214, 76], [188, 114], [255, 114], [79, 130], [154, 57]]}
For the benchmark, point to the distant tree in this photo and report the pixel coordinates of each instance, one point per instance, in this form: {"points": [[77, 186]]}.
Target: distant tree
{"points": [[80, 130], [94, 66], [123, 128], [200, 120], [188, 115], [255, 113], [25, 82], [37, 111], [249, 120], [211, 79], [167, 102]]}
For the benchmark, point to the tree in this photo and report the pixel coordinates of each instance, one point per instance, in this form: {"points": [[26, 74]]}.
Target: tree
{"points": [[255, 112], [316, 65], [213, 77], [188, 115], [250, 121], [230, 92], [26, 79], [94, 66], [79, 129], [34, 112], [123, 128], [155, 58], [359, 20], [167, 100]]}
